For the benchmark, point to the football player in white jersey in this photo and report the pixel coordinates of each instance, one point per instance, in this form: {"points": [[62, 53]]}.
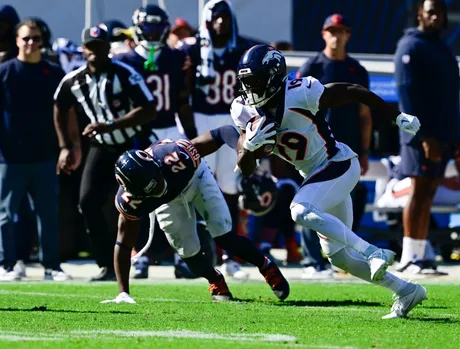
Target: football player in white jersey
{"points": [[330, 169]]}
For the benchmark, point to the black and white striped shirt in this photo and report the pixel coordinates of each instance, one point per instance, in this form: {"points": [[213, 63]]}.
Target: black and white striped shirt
{"points": [[105, 97]]}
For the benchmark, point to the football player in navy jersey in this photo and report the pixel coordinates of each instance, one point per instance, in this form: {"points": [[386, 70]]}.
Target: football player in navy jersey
{"points": [[214, 55], [164, 71], [170, 179]]}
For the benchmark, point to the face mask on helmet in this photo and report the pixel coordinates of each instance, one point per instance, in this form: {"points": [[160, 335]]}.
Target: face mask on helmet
{"points": [[258, 89], [151, 26], [138, 173]]}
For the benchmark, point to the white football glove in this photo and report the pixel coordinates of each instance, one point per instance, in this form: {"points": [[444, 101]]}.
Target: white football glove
{"points": [[123, 297], [408, 123], [259, 137]]}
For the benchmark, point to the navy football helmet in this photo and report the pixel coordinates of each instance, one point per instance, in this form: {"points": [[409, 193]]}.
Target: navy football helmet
{"points": [[261, 72], [140, 174], [258, 194], [151, 26]]}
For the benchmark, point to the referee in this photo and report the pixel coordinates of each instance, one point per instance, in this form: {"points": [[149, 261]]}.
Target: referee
{"points": [[116, 100]]}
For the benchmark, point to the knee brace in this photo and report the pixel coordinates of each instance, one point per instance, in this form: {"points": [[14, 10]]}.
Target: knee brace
{"points": [[307, 215]]}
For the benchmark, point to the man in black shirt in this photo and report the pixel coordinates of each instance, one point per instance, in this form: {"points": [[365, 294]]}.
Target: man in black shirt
{"points": [[117, 101]]}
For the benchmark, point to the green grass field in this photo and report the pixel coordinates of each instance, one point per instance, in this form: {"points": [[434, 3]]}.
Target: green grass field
{"points": [[182, 315]]}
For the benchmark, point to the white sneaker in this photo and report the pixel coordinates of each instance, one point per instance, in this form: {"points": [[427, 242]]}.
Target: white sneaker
{"points": [[56, 275], [404, 304], [379, 261], [313, 274], [233, 269], [8, 275], [20, 268]]}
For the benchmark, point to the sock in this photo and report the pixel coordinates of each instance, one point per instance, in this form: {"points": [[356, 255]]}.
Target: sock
{"points": [[351, 261], [413, 250], [177, 259], [331, 227], [241, 247]]}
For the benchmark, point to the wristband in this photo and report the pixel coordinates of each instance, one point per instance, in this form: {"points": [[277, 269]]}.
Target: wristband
{"points": [[122, 245]]}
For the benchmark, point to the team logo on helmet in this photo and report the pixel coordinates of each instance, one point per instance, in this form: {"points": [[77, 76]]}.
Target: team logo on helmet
{"points": [[94, 32], [272, 55]]}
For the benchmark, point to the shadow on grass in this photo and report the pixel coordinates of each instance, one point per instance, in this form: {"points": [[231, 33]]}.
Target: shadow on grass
{"points": [[307, 303], [43, 308], [439, 320]]}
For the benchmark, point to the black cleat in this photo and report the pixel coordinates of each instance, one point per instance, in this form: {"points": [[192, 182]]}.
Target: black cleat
{"points": [[275, 279]]}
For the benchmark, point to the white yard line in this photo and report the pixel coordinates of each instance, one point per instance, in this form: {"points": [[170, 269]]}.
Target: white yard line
{"points": [[268, 339]]}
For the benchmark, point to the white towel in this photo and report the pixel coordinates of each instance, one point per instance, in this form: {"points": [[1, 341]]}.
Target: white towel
{"points": [[206, 68]]}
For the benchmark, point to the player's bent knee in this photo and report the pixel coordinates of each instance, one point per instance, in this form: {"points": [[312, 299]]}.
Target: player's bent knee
{"points": [[308, 216]]}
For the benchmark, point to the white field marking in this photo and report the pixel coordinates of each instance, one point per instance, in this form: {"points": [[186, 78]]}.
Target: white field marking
{"points": [[259, 337], [272, 339], [172, 300]]}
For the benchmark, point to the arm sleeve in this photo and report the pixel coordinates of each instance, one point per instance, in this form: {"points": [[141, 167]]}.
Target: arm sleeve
{"points": [[226, 135], [63, 97]]}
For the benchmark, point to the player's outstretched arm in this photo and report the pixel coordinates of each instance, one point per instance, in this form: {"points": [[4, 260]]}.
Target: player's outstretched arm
{"points": [[210, 141], [338, 94], [126, 238]]}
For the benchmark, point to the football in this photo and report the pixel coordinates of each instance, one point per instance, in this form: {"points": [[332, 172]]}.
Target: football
{"points": [[266, 149]]}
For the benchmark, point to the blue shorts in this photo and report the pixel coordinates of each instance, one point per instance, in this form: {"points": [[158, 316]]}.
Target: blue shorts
{"points": [[413, 161]]}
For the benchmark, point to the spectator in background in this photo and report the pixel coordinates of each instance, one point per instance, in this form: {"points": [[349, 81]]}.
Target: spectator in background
{"points": [[28, 149], [116, 100], [179, 31], [8, 21], [427, 77], [351, 124], [120, 37], [69, 54]]}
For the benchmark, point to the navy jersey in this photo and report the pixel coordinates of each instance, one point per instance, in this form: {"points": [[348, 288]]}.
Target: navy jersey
{"points": [[224, 89], [165, 82], [179, 161]]}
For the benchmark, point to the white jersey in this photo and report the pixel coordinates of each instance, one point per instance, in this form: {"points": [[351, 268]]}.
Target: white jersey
{"points": [[303, 139]]}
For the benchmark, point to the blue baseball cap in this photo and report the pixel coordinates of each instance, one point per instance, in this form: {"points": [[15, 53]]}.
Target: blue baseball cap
{"points": [[337, 20]]}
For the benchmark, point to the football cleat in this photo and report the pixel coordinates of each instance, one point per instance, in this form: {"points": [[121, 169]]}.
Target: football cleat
{"points": [[404, 304], [219, 290], [275, 279], [379, 261], [233, 269], [141, 268]]}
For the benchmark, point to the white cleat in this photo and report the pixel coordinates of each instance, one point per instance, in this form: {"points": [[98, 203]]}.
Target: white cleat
{"points": [[379, 261], [233, 269], [404, 304]]}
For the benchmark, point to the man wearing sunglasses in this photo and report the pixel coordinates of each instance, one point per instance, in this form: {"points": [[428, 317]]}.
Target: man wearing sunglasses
{"points": [[28, 149]]}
